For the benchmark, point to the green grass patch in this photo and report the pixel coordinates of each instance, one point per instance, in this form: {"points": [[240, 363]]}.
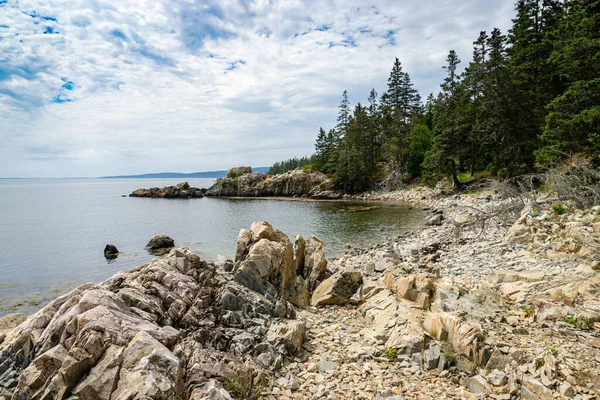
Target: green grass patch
{"points": [[235, 388]]}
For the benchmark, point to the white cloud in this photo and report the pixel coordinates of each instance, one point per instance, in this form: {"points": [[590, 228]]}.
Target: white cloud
{"points": [[97, 87]]}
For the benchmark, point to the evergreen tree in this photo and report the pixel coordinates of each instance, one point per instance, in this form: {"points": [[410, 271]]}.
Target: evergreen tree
{"points": [[339, 155], [530, 47], [399, 104], [573, 120], [323, 149], [373, 135], [441, 159]]}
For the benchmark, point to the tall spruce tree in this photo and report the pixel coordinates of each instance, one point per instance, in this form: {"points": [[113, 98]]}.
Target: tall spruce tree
{"points": [[398, 105], [441, 160]]}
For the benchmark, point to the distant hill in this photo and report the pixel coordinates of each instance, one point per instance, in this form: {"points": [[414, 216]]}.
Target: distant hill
{"points": [[205, 174]]}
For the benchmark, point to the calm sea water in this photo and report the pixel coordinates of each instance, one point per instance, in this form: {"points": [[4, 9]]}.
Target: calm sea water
{"points": [[53, 232]]}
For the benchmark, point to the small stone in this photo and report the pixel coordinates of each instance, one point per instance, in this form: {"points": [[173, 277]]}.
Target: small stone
{"points": [[497, 378], [566, 390]]}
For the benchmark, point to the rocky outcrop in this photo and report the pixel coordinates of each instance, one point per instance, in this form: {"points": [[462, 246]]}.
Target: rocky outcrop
{"points": [[160, 242], [177, 328], [267, 261], [180, 191], [296, 183], [111, 251]]}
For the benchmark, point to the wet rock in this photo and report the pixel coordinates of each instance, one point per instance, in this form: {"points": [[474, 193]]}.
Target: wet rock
{"points": [[160, 242], [111, 251]]}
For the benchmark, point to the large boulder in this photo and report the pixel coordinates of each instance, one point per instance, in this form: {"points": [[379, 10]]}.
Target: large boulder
{"points": [[337, 289], [267, 259], [238, 171], [160, 242]]}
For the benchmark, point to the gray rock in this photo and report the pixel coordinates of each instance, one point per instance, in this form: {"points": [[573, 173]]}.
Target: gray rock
{"points": [[324, 366], [432, 357], [477, 385], [497, 378]]}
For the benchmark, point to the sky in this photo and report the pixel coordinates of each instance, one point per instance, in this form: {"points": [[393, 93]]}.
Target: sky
{"points": [[102, 87]]}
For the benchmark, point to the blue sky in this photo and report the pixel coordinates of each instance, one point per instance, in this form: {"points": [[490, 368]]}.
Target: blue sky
{"points": [[96, 87]]}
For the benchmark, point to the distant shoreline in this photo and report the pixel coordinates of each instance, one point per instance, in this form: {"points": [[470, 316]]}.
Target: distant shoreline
{"points": [[157, 175]]}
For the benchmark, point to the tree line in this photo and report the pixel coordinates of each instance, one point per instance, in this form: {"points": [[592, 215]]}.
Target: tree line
{"points": [[528, 99]]}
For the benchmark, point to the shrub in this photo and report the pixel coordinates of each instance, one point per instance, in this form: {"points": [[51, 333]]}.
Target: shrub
{"points": [[559, 209], [391, 353]]}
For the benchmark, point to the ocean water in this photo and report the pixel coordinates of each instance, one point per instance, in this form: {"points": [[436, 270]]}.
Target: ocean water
{"points": [[53, 231]]}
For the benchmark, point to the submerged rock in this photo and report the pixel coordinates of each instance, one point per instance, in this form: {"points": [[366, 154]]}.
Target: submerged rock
{"points": [[111, 251]]}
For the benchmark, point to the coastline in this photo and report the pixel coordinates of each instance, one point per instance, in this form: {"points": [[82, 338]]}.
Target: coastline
{"points": [[509, 283]]}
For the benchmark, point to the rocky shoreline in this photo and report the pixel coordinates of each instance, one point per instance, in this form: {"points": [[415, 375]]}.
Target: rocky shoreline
{"points": [[242, 182], [469, 307], [182, 190]]}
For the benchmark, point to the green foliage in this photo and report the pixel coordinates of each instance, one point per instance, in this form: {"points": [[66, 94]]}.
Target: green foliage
{"points": [[559, 209], [233, 175], [528, 311], [390, 353], [584, 323], [291, 164], [235, 388]]}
